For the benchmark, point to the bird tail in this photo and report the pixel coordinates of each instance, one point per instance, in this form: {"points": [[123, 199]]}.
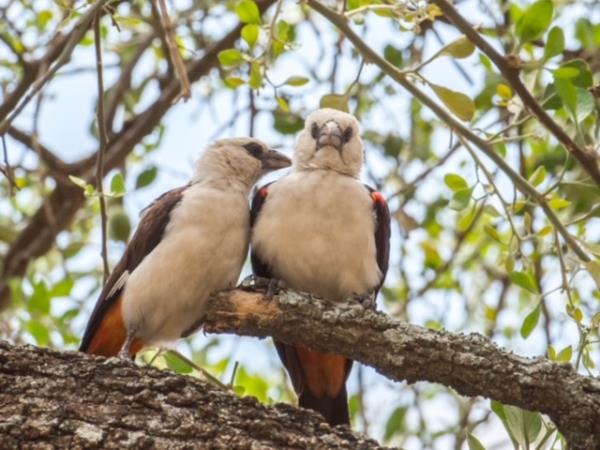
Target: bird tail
{"points": [[106, 333], [333, 409]]}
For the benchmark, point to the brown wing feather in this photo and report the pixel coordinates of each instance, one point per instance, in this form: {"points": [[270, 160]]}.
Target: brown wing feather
{"points": [[147, 236]]}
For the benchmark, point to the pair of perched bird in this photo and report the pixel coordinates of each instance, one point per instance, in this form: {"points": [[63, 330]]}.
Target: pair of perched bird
{"points": [[318, 229]]}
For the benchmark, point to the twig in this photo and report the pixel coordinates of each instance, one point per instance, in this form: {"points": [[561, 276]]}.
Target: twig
{"points": [[78, 32], [101, 120], [486, 147], [174, 55], [7, 169], [510, 69]]}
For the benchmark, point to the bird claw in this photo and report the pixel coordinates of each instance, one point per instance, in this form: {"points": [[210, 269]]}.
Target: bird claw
{"points": [[367, 301], [253, 282], [275, 286]]}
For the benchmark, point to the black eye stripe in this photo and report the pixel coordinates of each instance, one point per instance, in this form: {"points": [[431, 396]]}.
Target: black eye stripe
{"points": [[254, 149], [348, 133], [314, 130]]}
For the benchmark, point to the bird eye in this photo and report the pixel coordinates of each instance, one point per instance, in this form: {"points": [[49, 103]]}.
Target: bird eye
{"points": [[314, 131], [348, 134], [254, 149]]}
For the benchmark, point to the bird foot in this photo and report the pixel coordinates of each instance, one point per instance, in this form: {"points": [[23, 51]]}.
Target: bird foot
{"points": [[271, 286], [367, 301], [275, 286], [253, 282]]}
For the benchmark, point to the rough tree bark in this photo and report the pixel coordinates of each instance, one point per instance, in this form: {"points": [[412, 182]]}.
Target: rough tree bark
{"points": [[469, 363], [51, 399], [126, 398]]}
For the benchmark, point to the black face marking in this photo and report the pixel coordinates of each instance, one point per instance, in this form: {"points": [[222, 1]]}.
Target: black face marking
{"points": [[314, 131], [254, 149], [348, 133]]}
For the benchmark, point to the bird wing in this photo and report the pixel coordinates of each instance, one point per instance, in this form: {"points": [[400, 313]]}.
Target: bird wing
{"points": [[105, 327], [382, 233]]}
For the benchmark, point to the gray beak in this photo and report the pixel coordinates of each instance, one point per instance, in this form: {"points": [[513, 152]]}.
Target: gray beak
{"points": [[273, 160], [330, 134]]}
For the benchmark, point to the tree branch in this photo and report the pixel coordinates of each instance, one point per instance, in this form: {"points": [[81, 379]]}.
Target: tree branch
{"points": [[471, 364], [510, 70], [71, 400]]}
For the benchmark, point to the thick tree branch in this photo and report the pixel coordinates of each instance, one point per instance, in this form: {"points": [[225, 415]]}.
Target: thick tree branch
{"points": [[471, 364], [38, 236], [510, 70], [50, 399]]}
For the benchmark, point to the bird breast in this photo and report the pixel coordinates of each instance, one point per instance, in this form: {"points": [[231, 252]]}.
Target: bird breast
{"points": [[316, 232], [201, 252]]}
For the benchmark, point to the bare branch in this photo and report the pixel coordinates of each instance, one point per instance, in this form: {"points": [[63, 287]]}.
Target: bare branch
{"points": [[101, 122], [174, 55]]}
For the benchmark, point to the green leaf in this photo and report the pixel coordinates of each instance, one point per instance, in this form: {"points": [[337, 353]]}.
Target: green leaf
{"points": [[565, 73], [568, 94], [555, 43], [231, 57], [524, 280], [530, 322], [63, 287], [460, 48], [535, 20], [40, 333], [395, 423], [234, 82], [335, 101], [39, 301], [565, 355], [393, 55], [283, 104], [524, 426], [559, 203], [585, 104], [250, 34], [455, 182], [117, 185], [247, 11], [146, 177], [474, 443], [78, 181], [585, 78], [538, 176], [460, 200], [296, 81], [457, 102], [493, 233], [504, 91], [177, 363], [256, 76]]}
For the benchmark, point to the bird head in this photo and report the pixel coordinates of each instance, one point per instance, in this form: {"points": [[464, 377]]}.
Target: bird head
{"points": [[330, 140], [238, 161]]}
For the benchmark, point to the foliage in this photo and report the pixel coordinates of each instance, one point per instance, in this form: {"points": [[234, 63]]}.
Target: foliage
{"points": [[512, 254]]}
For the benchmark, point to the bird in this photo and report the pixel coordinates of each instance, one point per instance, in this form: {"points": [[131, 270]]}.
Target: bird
{"points": [[191, 241], [321, 230]]}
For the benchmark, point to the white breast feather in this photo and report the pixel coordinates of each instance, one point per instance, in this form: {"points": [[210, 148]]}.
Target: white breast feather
{"points": [[317, 232], [202, 251]]}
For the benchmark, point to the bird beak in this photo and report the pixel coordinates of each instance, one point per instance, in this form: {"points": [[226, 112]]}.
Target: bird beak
{"points": [[273, 160], [330, 134]]}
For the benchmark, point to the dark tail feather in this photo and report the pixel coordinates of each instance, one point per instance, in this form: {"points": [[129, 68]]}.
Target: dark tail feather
{"points": [[333, 409]]}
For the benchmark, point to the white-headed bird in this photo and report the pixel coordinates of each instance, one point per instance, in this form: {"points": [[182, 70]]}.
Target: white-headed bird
{"points": [[191, 242], [321, 230]]}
